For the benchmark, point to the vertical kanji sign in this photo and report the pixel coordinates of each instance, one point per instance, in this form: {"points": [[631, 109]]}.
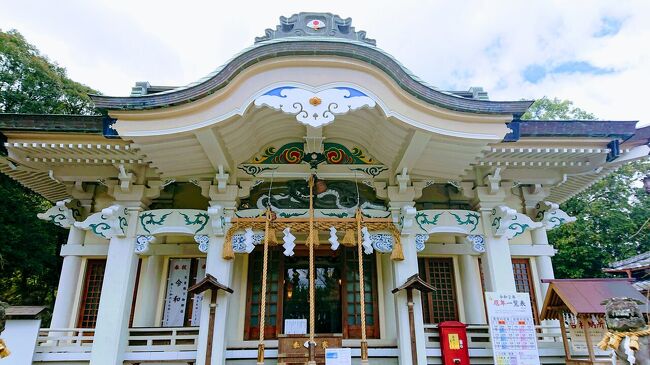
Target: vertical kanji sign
{"points": [[512, 329]]}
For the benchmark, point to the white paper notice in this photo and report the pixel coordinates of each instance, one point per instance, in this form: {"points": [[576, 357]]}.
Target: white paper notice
{"points": [[342, 356], [198, 298], [175, 301], [512, 329], [295, 326]]}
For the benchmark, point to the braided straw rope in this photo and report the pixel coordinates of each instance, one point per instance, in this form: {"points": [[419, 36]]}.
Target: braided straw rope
{"points": [[362, 291], [312, 289], [613, 339], [265, 265]]}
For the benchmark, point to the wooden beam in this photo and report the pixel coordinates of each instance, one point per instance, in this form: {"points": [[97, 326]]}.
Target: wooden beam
{"points": [[213, 148], [415, 146]]}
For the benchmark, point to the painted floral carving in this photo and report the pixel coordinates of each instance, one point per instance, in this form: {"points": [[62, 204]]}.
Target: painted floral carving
{"points": [[294, 153]]}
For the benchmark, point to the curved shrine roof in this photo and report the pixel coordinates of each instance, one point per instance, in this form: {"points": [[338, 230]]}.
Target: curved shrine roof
{"points": [[312, 34]]}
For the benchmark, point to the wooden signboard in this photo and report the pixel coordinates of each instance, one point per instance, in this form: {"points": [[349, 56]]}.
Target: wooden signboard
{"points": [[292, 350]]}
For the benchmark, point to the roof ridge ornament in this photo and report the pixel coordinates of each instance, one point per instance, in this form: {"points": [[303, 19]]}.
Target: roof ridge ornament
{"points": [[308, 24]]}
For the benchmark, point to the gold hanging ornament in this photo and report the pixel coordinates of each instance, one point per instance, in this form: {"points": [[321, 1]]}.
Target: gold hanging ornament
{"points": [[273, 239], [228, 253], [315, 239], [4, 351], [397, 254], [348, 239]]}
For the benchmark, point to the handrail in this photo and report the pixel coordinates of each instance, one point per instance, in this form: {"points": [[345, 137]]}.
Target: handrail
{"points": [[478, 336], [163, 339], [549, 340], [64, 339], [145, 339]]}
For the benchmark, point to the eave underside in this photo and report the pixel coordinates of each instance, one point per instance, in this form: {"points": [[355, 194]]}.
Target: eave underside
{"points": [[45, 161]]}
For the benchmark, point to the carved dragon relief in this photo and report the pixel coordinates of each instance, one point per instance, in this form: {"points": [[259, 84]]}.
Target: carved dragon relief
{"points": [[63, 214], [110, 222], [508, 222], [551, 216]]}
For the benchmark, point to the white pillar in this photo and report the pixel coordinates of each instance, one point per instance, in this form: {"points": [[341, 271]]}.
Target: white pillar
{"points": [[148, 290], [111, 333], [403, 270], [221, 269], [497, 265], [62, 316], [543, 263], [472, 290]]}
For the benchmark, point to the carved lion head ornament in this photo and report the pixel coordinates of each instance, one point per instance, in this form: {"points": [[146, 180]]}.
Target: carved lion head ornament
{"points": [[627, 334], [623, 314]]}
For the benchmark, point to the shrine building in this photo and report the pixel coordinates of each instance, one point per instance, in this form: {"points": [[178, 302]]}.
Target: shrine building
{"points": [[289, 192]]}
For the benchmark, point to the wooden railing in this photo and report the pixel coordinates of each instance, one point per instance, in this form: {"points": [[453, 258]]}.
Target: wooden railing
{"points": [[549, 344], [80, 340], [67, 340], [478, 336], [163, 339]]}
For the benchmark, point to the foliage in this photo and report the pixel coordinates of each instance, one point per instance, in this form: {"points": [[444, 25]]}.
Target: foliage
{"points": [[556, 109], [29, 260], [30, 83], [609, 213]]}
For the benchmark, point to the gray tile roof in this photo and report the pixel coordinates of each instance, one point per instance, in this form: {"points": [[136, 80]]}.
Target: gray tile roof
{"points": [[51, 123], [637, 262], [311, 46]]}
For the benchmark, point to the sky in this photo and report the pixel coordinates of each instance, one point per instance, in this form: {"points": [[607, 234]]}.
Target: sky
{"points": [[595, 53]]}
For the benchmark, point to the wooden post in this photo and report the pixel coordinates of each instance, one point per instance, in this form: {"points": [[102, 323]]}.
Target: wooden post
{"points": [[212, 284], [590, 345], [409, 302], [565, 340], [414, 282], [213, 310]]}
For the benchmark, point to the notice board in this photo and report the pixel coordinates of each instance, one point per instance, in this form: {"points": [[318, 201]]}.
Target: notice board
{"points": [[512, 329]]}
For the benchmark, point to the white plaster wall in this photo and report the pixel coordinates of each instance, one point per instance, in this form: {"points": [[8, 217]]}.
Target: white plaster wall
{"points": [[20, 337], [237, 306], [387, 314]]}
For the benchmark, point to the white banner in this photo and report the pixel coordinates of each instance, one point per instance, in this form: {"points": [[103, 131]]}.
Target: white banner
{"points": [[512, 329], [176, 299], [198, 298]]}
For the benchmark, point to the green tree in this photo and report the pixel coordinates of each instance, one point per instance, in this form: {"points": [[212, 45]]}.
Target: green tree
{"points": [[30, 83], [556, 109], [29, 260], [609, 213]]}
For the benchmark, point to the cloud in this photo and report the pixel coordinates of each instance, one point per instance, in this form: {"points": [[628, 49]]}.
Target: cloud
{"points": [[591, 52], [535, 73], [610, 26]]}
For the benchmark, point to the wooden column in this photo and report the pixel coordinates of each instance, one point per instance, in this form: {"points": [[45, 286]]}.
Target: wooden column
{"points": [[212, 284], [414, 282]]}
